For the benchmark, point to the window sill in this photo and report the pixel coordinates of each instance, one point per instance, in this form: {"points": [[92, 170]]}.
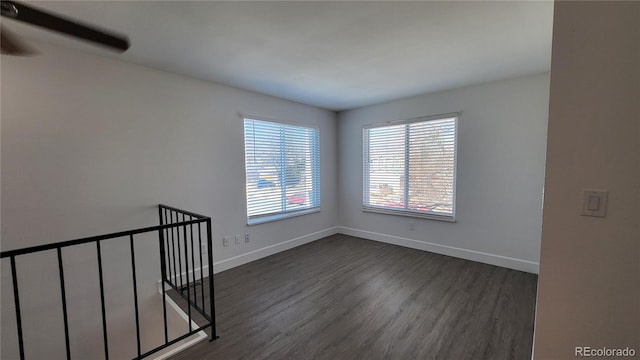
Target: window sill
{"points": [[276, 217], [406, 213]]}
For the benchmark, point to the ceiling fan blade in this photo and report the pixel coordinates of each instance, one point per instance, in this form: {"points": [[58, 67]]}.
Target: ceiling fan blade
{"points": [[31, 15], [11, 45]]}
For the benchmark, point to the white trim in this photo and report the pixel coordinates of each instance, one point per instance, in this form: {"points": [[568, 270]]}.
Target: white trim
{"points": [[281, 216], [314, 151], [492, 259], [277, 120], [414, 119], [366, 176], [198, 337], [271, 249], [408, 213]]}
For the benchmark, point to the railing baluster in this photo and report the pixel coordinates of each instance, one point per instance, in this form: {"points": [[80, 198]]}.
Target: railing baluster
{"points": [[212, 306], [64, 304], [167, 269], [16, 300], [173, 244], [135, 292], [201, 265], [163, 276], [193, 265], [186, 264], [102, 307], [167, 246], [179, 256], [172, 264]]}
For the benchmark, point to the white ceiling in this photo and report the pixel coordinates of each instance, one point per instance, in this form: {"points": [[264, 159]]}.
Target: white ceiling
{"points": [[334, 55]]}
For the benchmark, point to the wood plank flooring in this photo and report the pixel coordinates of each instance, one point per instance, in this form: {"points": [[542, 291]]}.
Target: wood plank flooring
{"points": [[343, 297]]}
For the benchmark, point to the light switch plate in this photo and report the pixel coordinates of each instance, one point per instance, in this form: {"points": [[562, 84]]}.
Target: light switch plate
{"points": [[594, 203]]}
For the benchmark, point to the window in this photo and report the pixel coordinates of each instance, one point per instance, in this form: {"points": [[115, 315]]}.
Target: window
{"points": [[410, 167], [282, 170]]}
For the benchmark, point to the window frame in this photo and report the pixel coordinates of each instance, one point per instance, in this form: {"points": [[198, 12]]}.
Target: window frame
{"points": [[315, 151], [366, 207]]}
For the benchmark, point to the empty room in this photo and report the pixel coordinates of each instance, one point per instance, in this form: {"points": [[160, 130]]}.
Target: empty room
{"points": [[319, 180]]}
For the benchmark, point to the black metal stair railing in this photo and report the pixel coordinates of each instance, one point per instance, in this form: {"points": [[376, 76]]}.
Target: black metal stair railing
{"points": [[176, 273], [173, 221]]}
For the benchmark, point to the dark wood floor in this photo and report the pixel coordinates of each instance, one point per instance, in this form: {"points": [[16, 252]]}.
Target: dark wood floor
{"points": [[347, 298]]}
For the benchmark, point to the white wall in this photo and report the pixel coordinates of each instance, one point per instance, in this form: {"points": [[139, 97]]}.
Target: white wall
{"points": [[589, 285], [90, 145], [501, 152]]}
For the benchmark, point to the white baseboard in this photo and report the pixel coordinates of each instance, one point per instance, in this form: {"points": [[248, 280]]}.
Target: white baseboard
{"points": [[271, 249], [492, 259]]}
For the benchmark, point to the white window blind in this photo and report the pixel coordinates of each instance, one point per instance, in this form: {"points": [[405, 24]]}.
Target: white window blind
{"points": [[410, 167], [282, 170]]}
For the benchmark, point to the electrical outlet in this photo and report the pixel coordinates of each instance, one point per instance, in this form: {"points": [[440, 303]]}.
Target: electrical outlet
{"points": [[237, 239], [412, 226], [225, 241], [203, 249], [246, 238]]}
